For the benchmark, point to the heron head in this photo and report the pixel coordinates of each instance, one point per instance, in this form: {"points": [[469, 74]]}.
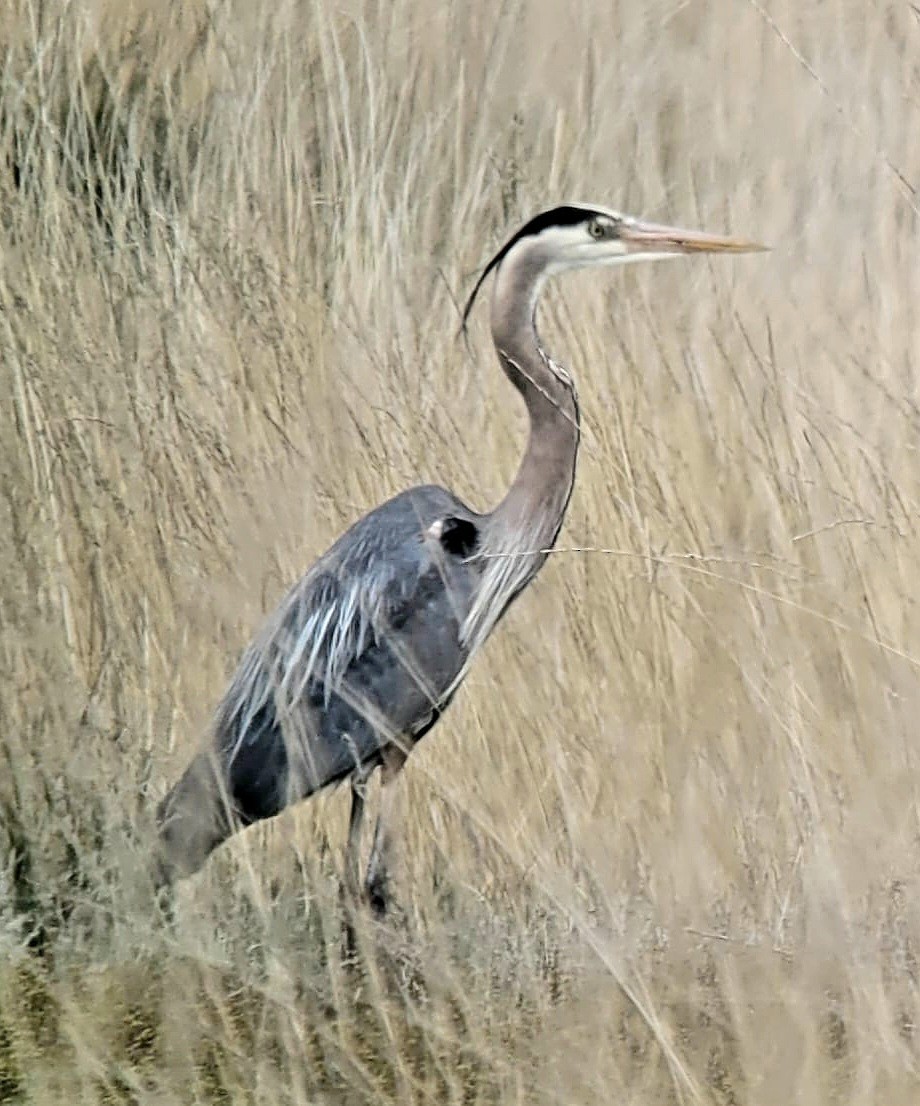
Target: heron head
{"points": [[575, 236]]}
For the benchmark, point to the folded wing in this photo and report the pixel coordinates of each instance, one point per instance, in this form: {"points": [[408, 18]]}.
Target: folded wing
{"points": [[362, 651]]}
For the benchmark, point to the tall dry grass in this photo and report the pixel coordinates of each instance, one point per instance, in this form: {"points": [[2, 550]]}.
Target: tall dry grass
{"points": [[665, 845]]}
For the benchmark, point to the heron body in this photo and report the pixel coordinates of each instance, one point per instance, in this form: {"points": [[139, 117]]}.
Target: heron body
{"points": [[365, 652], [329, 668]]}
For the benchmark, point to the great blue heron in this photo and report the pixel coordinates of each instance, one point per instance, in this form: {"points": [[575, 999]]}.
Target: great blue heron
{"points": [[365, 652]]}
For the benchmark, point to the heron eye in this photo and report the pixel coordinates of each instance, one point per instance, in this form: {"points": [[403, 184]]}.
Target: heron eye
{"points": [[597, 229]]}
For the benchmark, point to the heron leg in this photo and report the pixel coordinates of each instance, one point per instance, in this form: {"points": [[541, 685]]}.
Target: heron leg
{"points": [[350, 889], [375, 883], [355, 822]]}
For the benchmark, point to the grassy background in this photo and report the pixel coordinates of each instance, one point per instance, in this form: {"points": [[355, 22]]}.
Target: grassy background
{"points": [[665, 845]]}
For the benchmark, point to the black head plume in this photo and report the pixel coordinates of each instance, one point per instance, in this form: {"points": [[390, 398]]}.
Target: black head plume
{"points": [[564, 216]]}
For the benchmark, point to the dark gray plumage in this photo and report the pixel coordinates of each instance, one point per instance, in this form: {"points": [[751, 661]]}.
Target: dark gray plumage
{"points": [[337, 672], [366, 651], [386, 586]]}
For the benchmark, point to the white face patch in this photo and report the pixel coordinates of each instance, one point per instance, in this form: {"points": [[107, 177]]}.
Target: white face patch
{"points": [[573, 246], [575, 242]]}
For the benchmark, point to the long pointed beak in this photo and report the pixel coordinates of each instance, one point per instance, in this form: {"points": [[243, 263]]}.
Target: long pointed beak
{"points": [[654, 238]]}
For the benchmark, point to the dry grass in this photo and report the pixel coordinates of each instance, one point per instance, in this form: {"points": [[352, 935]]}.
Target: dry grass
{"points": [[665, 846]]}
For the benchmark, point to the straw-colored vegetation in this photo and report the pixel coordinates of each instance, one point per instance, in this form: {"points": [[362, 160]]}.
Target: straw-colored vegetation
{"points": [[666, 845]]}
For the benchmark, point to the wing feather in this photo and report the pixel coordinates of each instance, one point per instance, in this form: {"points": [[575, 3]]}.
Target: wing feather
{"points": [[345, 624]]}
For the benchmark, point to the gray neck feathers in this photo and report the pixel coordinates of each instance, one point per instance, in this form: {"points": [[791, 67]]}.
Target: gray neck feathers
{"points": [[527, 520]]}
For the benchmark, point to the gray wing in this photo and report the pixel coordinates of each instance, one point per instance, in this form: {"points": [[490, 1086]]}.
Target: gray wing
{"points": [[364, 648]]}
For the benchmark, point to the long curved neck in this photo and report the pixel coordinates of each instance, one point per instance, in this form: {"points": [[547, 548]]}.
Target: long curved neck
{"points": [[539, 494], [525, 523]]}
